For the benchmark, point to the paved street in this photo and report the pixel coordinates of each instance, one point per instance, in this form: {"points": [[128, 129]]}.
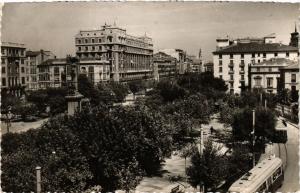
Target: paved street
{"points": [[291, 182], [17, 127]]}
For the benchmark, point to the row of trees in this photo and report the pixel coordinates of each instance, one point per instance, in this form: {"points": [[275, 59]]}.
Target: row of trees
{"points": [[113, 148]]}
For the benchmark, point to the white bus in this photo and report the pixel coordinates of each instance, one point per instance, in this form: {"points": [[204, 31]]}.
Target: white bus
{"points": [[266, 176]]}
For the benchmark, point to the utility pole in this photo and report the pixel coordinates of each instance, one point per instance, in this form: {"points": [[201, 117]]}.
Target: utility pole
{"points": [[253, 136], [201, 185], [38, 179]]}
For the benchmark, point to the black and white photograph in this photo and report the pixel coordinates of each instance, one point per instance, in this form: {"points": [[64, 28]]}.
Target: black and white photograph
{"points": [[149, 97]]}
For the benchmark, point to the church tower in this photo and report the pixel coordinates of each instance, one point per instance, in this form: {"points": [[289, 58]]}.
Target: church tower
{"points": [[294, 38]]}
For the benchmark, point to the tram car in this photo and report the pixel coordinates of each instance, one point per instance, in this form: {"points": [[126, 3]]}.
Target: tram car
{"points": [[266, 176]]}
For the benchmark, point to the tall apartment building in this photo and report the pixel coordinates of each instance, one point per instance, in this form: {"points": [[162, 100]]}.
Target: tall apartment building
{"points": [[164, 65], [33, 59], [183, 63], [233, 57], [129, 57], [13, 68]]}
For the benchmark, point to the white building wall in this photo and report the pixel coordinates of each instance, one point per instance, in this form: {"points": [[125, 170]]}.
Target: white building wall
{"points": [[247, 60]]}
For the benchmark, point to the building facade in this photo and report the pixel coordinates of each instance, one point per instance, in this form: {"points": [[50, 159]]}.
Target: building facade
{"points": [[13, 68], [55, 72], [232, 58], [266, 75], [183, 62], [129, 57], [33, 59], [289, 76], [164, 66]]}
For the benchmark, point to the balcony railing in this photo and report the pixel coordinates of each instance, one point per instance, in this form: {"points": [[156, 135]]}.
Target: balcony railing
{"points": [[231, 72]]}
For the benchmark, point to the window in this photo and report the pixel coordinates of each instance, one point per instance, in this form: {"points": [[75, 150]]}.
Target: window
{"points": [[22, 52], [220, 56], [220, 69], [86, 41], [56, 70], [287, 54], [231, 85], [100, 40], [23, 80], [220, 62], [275, 54], [253, 55], [231, 69], [242, 62], [86, 48], [2, 61], [242, 55], [257, 81], [231, 77], [22, 61], [264, 55], [79, 48], [3, 82], [258, 54], [93, 48], [22, 70], [242, 77], [221, 77], [231, 55], [231, 62], [276, 174], [270, 82], [270, 69], [293, 78], [3, 70], [258, 61], [93, 40]]}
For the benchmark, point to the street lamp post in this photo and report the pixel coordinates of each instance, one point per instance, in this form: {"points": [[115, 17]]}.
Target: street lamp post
{"points": [[38, 179], [253, 136], [8, 119], [201, 185]]}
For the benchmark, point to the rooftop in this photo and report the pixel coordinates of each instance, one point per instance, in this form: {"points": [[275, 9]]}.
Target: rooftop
{"points": [[254, 47], [12, 44]]}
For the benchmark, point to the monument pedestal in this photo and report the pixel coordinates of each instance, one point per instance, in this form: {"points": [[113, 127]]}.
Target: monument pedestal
{"points": [[74, 103]]}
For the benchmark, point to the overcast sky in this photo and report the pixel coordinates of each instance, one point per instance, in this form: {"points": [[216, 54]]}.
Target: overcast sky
{"points": [[185, 25]]}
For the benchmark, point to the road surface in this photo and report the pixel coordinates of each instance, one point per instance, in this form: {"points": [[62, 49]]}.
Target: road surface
{"points": [[17, 127], [291, 156]]}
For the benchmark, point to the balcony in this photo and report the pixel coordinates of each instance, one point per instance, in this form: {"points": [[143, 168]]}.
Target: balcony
{"points": [[242, 72], [230, 65], [242, 80], [231, 72], [242, 64]]}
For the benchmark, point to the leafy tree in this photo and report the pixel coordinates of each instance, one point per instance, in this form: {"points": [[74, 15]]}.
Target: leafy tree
{"points": [[120, 91], [208, 169], [39, 98], [87, 89], [264, 126], [58, 104], [170, 91], [55, 149], [136, 86]]}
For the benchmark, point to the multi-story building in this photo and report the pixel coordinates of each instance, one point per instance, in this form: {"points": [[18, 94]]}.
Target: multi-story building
{"points": [[129, 57], [183, 63], [266, 75], [232, 58], [209, 67], [164, 65], [289, 77], [34, 58], [54, 72], [13, 68]]}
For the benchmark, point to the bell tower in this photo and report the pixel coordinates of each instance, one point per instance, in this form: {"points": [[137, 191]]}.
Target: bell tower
{"points": [[295, 38]]}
